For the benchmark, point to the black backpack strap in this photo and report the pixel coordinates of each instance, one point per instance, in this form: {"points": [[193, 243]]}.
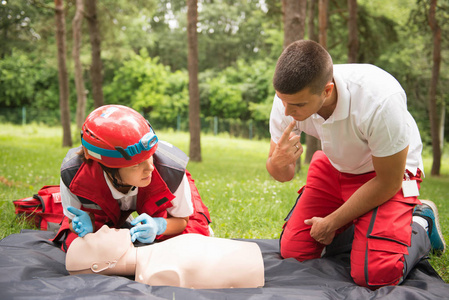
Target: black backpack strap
{"points": [[171, 164], [70, 165]]}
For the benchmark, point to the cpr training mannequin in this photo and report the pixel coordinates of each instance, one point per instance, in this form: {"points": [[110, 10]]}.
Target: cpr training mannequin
{"points": [[188, 260]]}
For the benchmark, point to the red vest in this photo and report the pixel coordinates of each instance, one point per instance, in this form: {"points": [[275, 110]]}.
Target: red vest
{"points": [[92, 190]]}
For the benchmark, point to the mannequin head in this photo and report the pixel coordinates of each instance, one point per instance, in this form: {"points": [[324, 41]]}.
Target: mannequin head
{"points": [[103, 251]]}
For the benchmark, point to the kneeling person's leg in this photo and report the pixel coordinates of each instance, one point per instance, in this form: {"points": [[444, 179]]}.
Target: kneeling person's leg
{"points": [[320, 197], [381, 241]]}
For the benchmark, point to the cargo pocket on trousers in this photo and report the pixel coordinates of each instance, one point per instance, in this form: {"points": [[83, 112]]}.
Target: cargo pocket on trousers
{"points": [[390, 223], [384, 261]]}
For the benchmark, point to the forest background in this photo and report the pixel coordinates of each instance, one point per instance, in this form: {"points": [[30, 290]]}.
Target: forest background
{"points": [[144, 57]]}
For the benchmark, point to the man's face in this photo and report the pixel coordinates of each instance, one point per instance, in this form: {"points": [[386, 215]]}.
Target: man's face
{"points": [[303, 104]]}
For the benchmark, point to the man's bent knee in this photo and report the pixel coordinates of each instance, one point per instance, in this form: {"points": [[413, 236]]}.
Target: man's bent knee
{"points": [[299, 250], [374, 279], [377, 267]]}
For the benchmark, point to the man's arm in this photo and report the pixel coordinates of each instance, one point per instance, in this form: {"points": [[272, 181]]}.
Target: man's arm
{"points": [[388, 181], [283, 155]]}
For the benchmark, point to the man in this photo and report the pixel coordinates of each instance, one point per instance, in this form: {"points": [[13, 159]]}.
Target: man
{"points": [[368, 173]]}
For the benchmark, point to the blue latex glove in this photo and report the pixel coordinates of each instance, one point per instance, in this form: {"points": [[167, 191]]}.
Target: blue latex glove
{"points": [[147, 231], [81, 223]]}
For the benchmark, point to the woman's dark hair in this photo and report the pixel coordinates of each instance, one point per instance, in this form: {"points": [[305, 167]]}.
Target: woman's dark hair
{"points": [[303, 64]]}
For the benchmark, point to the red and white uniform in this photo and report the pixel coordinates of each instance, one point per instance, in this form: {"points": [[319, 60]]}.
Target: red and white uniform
{"points": [[370, 119]]}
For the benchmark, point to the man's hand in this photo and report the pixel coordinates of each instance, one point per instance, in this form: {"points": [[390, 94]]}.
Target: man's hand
{"points": [[148, 229], [320, 230], [283, 155], [81, 223], [288, 148]]}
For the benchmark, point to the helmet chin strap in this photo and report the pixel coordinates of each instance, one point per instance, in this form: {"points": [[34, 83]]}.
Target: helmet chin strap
{"points": [[118, 184]]}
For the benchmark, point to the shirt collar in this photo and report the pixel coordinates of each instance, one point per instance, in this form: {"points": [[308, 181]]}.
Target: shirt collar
{"points": [[341, 111], [343, 99]]}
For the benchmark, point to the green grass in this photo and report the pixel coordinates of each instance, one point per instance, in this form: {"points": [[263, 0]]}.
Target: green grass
{"points": [[243, 200]]}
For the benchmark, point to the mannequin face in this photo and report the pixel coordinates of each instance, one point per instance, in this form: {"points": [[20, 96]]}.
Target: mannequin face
{"points": [[138, 175]]}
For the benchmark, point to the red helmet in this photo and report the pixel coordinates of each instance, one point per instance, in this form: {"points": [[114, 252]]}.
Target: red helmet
{"points": [[117, 136]]}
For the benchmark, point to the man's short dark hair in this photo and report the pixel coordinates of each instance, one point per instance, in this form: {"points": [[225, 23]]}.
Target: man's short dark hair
{"points": [[303, 64]]}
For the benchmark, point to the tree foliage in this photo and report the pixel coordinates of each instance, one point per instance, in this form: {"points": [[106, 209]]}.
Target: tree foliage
{"points": [[144, 53], [146, 85], [17, 80], [18, 20]]}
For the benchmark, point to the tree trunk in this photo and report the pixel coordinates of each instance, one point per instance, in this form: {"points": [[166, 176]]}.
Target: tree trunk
{"points": [[433, 110], [442, 122], [294, 20], [353, 40], [294, 16], [311, 12], [322, 22], [79, 81], [194, 94], [62, 74], [312, 143], [96, 67]]}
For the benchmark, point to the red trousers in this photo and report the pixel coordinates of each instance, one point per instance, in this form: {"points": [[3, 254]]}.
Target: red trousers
{"points": [[381, 236]]}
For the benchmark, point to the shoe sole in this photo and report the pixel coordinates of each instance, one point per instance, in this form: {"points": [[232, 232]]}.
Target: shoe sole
{"points": [[437, 221]]}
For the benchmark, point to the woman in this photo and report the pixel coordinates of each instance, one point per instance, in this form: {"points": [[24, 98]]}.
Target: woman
{"points": [[120, 168]]}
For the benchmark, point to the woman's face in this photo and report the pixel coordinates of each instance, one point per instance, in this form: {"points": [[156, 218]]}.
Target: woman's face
{"points": [[138, 175]]}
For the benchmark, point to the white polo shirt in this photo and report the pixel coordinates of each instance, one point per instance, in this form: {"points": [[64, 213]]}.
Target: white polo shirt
{"points": [[370, 119]]}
